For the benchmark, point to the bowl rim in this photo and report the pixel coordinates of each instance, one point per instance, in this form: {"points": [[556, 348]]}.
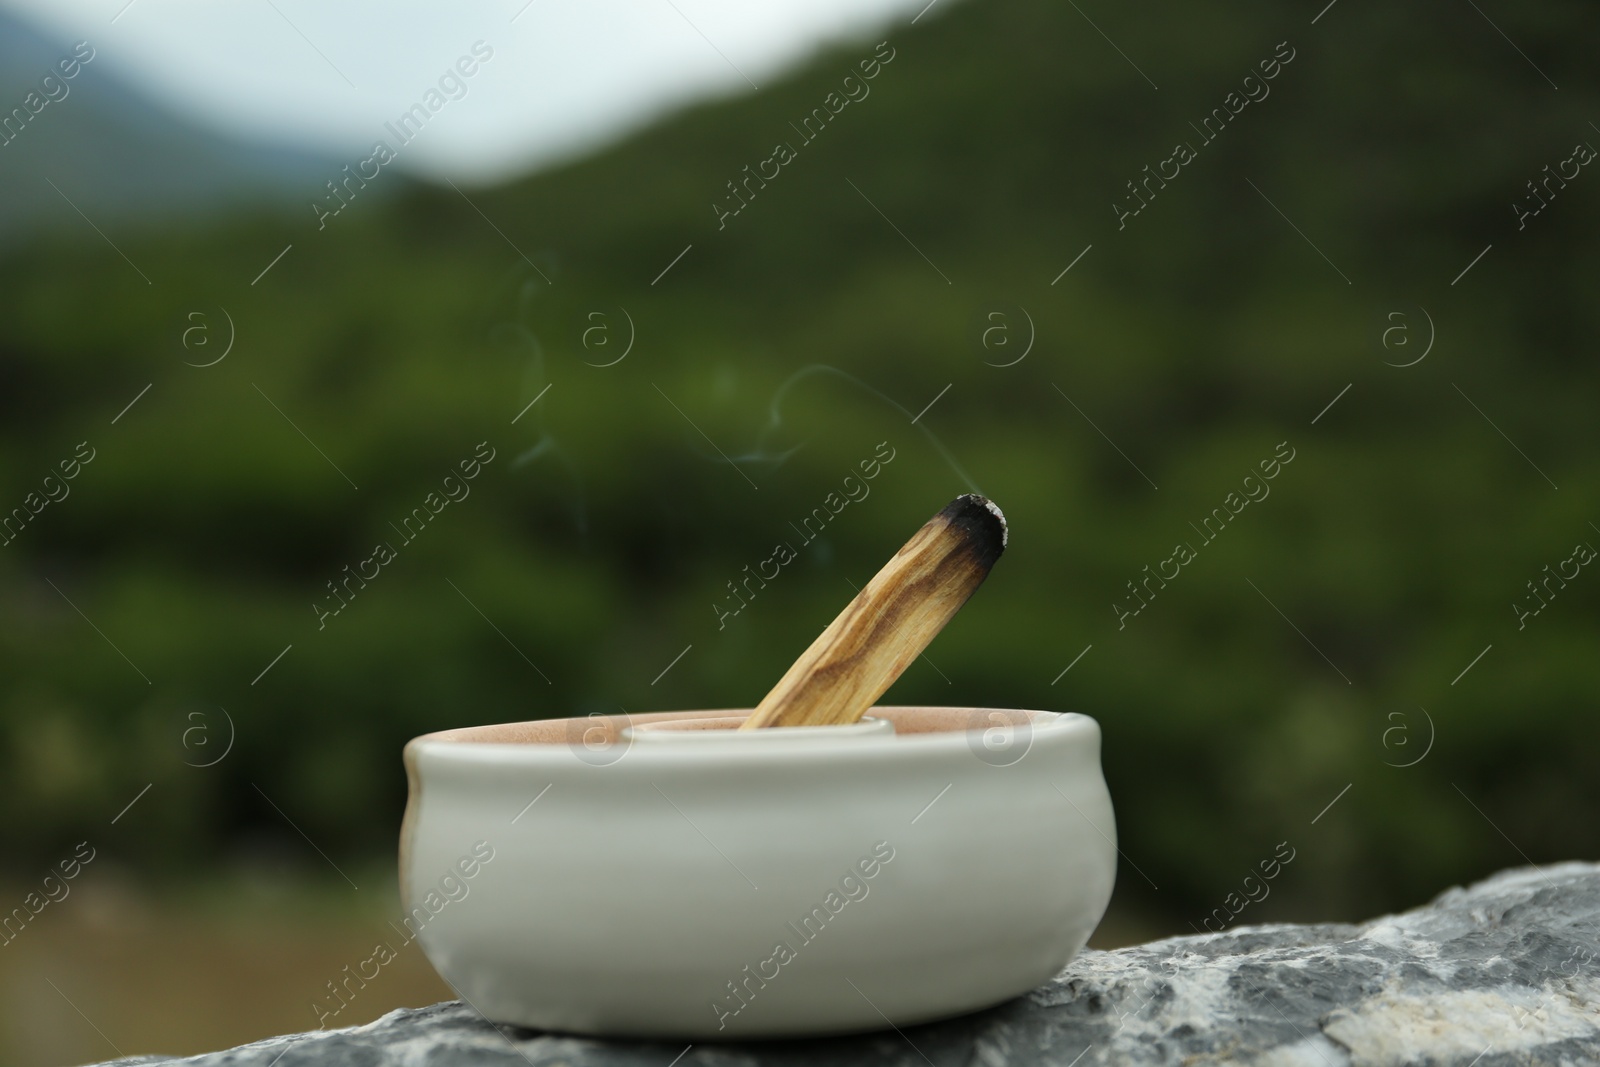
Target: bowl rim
{"points": [[460, 746]]}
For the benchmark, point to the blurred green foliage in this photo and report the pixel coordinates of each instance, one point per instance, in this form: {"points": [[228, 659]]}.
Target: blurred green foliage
{"points": [[593, 547]]}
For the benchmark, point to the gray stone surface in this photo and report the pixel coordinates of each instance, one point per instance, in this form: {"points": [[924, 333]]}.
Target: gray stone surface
{"points": [[1505, 972]]}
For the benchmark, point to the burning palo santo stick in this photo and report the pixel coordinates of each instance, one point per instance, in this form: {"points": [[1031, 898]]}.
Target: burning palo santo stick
{"points": [[891, 621]]}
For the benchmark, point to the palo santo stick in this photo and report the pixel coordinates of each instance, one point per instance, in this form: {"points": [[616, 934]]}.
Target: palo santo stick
{"points": [[890, 622]]}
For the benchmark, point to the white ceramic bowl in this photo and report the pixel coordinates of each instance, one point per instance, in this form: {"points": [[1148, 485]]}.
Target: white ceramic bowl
{"points": [[694, 883]]}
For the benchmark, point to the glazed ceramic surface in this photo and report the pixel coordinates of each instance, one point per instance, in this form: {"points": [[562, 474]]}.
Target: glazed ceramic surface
{"points": [[695, 883]]}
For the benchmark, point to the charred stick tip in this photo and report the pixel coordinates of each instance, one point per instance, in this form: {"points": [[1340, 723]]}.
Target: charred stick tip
{"points": [[980, 523]]}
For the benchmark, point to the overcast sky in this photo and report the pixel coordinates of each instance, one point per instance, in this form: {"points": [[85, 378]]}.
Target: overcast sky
{"points": [[565, 74]]}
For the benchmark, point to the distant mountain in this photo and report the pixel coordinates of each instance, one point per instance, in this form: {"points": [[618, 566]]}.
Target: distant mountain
{"points": [[116, 153]]}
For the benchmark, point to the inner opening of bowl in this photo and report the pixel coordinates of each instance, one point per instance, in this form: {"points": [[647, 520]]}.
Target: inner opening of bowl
{"points": [[725, 728], [607, 729]]}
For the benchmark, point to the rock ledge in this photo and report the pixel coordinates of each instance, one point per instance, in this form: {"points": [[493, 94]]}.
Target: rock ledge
{"points": [[1504, 972]]}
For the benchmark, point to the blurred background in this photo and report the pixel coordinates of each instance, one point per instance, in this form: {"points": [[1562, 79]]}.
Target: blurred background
{"points": [[240, 345]]}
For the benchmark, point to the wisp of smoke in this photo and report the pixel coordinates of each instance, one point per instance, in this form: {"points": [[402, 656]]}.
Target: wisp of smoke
{"points": [[762, 454], [524, 343]]}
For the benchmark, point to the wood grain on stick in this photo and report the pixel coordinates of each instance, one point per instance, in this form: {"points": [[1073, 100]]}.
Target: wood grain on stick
{"points": [[861, 653]]}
